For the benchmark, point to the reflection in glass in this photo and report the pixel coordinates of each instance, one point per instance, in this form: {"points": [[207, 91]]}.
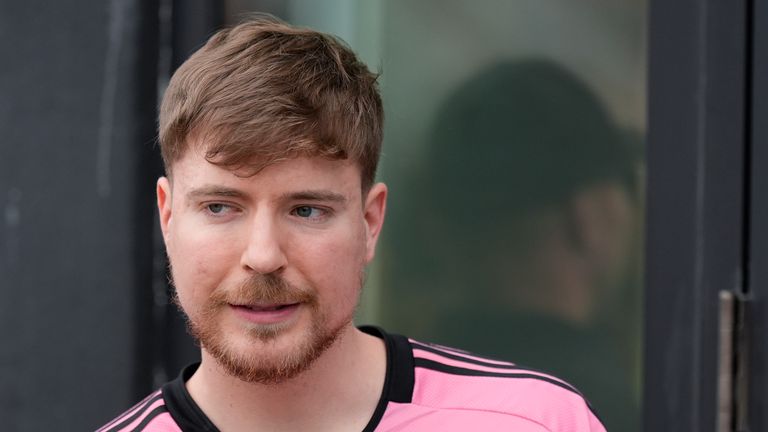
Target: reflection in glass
{"points": [[528, 216]]}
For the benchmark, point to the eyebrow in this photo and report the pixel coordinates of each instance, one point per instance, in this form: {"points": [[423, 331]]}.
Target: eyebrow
{"points": [[213, 190], [315, 195], [305, 195]]}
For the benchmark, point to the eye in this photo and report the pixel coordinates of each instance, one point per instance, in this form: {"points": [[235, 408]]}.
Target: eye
{"points": [[306, 211], [218, 209], [310, 213]]}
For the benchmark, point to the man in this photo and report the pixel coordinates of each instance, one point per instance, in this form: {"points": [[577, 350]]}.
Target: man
{"points": [[271, 136]]}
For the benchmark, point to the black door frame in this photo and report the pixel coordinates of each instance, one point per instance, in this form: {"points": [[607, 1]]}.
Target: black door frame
{"points": [[698, 215], [758, 246]]}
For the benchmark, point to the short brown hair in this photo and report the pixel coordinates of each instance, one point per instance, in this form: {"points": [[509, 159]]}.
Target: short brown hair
{"points": [[264, 91]]}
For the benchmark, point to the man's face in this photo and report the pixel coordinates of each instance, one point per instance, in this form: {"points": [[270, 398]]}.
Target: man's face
{"points": [[268, 268]]}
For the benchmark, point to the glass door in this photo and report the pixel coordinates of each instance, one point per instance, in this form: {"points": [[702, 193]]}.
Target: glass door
{"points": [[514, 155]]}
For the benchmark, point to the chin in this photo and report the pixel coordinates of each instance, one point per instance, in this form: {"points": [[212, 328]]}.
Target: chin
{"points": [[270, 354]]}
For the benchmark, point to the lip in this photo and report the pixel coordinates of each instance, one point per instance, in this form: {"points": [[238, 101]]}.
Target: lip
{"points": [[266, 314]]}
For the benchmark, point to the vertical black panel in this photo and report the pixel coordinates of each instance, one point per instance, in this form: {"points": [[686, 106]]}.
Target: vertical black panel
{"points": [[695, 203], [149, 168], [758, 283], [76, 114]]}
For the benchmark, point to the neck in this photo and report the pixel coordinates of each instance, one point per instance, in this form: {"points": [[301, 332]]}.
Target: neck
{"points": [[340, 390]]}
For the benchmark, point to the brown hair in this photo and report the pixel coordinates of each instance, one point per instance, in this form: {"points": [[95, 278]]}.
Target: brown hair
{"points": [[264, 91]]}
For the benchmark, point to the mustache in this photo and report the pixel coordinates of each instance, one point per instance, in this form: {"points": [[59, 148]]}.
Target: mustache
{"points": [[264, 288]]}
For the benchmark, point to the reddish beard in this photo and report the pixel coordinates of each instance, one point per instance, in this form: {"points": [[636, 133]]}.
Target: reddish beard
{"points": [[258, 362]]}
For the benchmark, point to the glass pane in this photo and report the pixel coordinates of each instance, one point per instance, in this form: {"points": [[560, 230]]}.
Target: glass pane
{"points": [[514, 155]]}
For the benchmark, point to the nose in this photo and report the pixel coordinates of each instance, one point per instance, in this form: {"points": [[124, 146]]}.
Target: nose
{"points": [[264, 253]]}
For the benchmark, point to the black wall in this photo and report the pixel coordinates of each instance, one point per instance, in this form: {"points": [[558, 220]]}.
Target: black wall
{"points": [[698, 230], [78, 86]]}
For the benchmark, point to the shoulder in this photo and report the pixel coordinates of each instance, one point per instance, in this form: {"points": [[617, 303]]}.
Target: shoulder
{"points": [[450, 379], [150, 415]]}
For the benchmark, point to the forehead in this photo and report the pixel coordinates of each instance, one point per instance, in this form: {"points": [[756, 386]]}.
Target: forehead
{"points": [[303, 172], [248, 155]]}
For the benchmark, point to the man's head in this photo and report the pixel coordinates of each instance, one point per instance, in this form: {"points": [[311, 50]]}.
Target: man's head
{"points": [[268, 133], [540, 181], [264, 91]]}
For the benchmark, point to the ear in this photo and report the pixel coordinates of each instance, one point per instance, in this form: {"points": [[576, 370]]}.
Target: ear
{"points": [[375, 207], [164, 206]]}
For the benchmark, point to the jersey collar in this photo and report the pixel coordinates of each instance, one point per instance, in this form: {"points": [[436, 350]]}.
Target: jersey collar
{"points": [[398, 386]]}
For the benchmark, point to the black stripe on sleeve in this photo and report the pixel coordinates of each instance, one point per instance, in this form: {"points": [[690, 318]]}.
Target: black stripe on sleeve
{"points": [[446, 348], [135, 415], [453, 356], [454, 370], [151, 416], [123, 414], [450, 355]]}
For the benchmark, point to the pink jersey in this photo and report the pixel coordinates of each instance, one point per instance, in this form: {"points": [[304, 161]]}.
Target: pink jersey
{"points": [[427, 388]]}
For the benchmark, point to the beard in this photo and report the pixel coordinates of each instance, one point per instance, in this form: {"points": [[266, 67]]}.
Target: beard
{"points": [[262, 360]]}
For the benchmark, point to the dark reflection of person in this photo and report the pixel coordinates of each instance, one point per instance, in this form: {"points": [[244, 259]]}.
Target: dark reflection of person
{"points": [[530, 194]]}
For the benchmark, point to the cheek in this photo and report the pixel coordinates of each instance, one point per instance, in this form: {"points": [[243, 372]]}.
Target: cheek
{"points": [[333, 265], [200, 261]]}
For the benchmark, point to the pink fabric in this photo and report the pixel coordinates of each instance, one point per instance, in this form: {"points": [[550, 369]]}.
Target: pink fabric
{"points": [[485, 399], [411, 417], [449, 402]]}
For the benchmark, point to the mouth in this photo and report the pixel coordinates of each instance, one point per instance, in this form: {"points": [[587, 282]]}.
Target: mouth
{"points": [[266, 313], [267, 308]]}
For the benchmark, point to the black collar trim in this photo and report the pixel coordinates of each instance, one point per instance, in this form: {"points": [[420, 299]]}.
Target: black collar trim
{"points": [[398, 386], [399, 380], [184, 410]]}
